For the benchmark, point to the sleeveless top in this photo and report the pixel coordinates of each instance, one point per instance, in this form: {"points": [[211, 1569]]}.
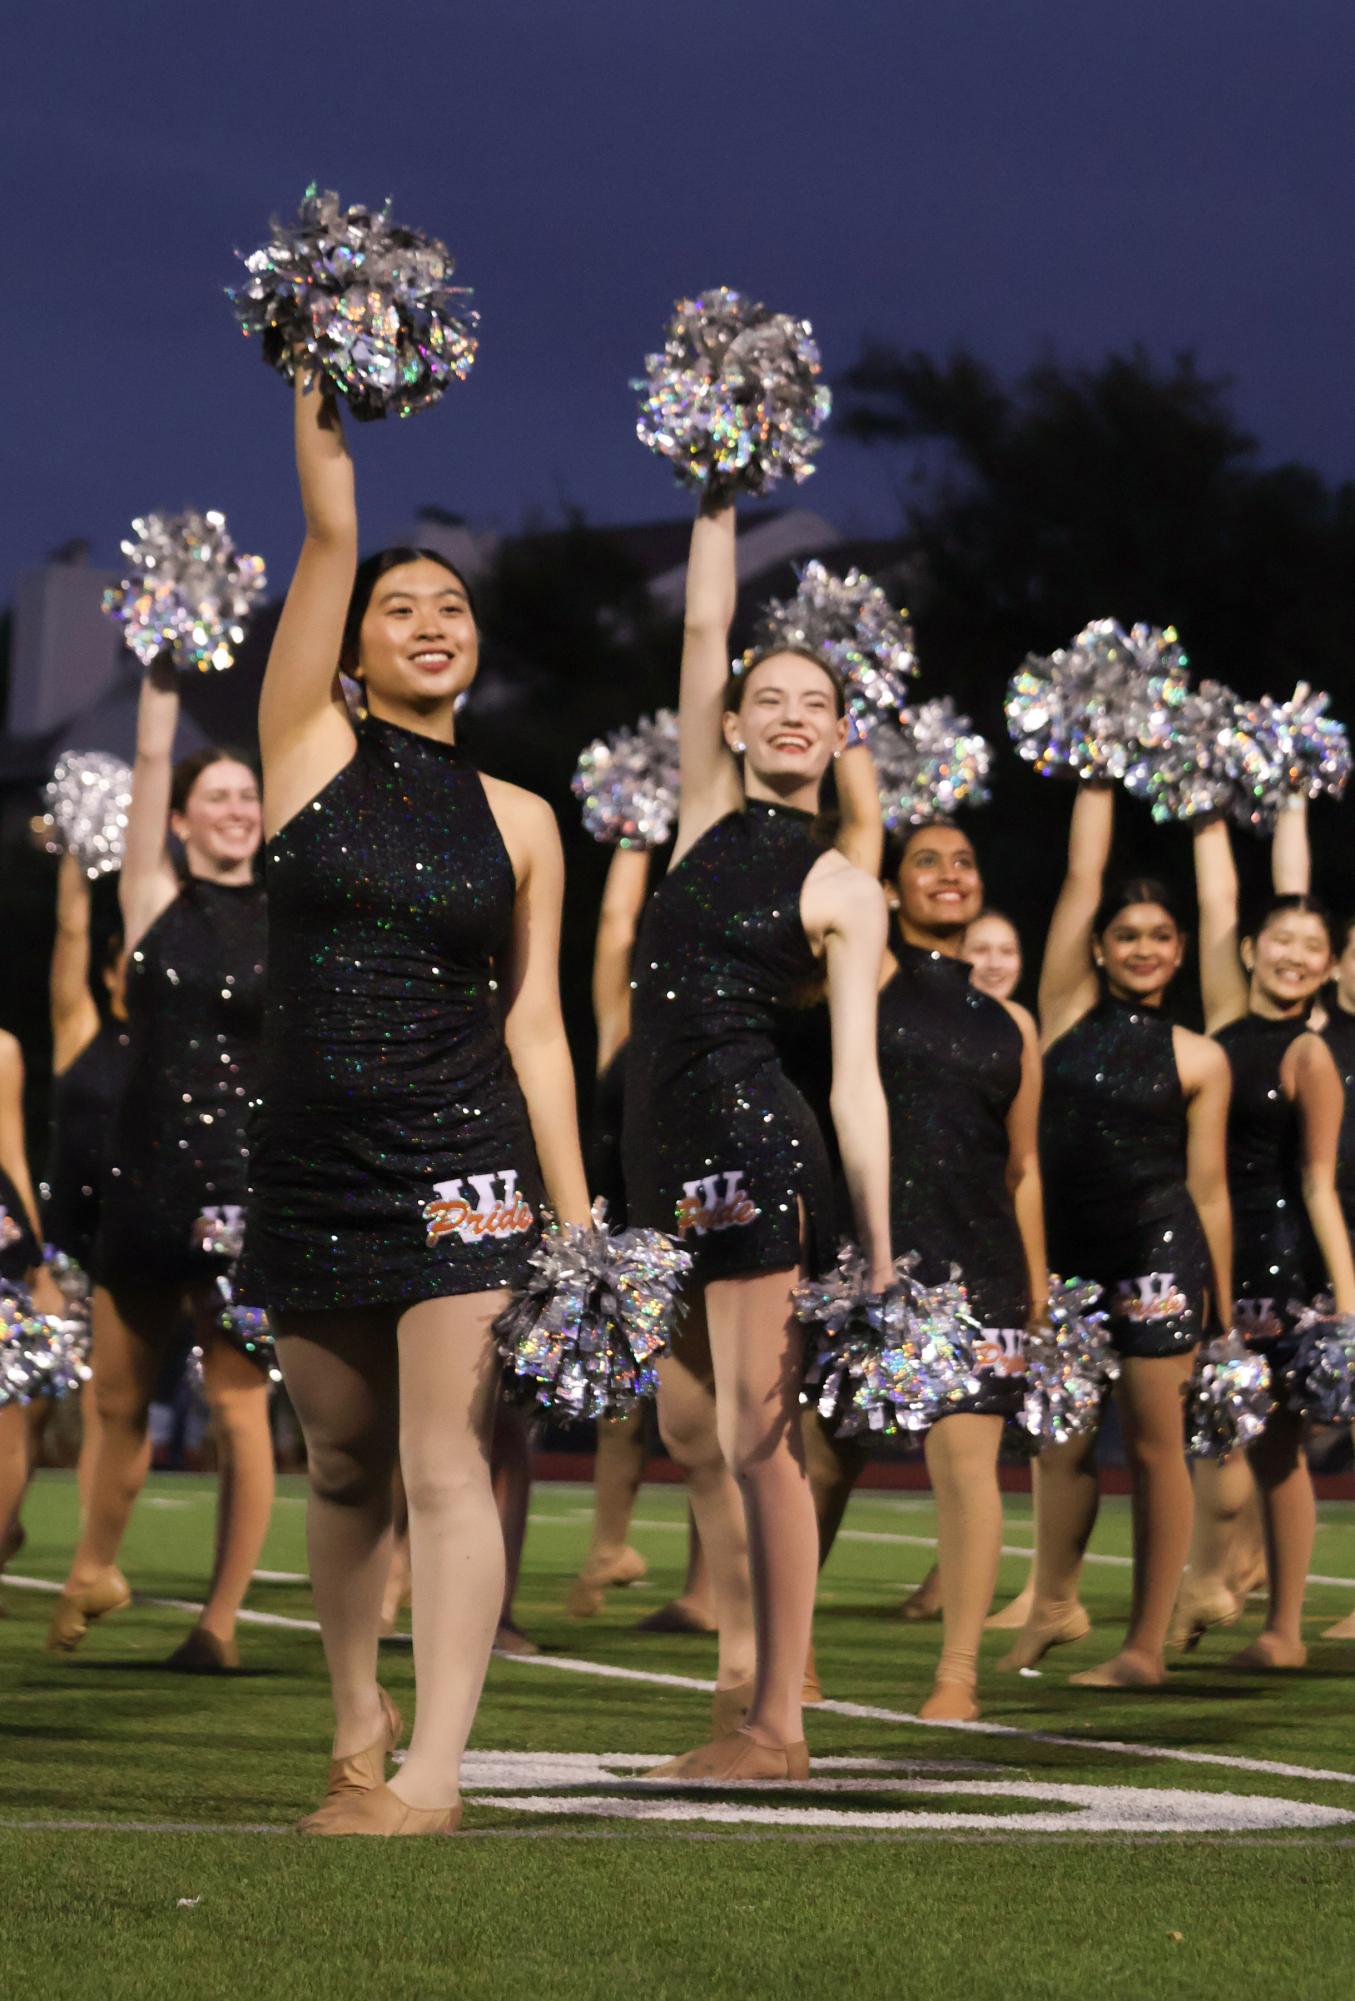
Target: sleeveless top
{"points": [[20, 1250], [1276, 1259], [1339, 1035], [950, 1063]]}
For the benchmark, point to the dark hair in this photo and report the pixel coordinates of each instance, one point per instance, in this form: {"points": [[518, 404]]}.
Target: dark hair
{"points": [[899, 839], [736, 682], [1347, 930], [1135, 889], [991, 910], [1306, 906], [189, 770], [110, 948], [369, 574]]}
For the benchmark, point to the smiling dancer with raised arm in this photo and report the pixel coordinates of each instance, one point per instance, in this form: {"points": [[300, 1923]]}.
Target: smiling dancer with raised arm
{"points": [[415, 1072], [1132, 1141], [196, 944], [1284, 1124], [717, 1140]]}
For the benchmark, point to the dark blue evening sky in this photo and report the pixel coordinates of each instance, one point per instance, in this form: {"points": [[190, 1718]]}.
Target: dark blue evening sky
{"points": [[1012, 174]]}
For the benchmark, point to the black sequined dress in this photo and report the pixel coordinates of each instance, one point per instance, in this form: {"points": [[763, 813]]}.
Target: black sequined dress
{"points": [[20, 1250], [177, 1143], [392, 1158], [1276, 1259], [1113, 1150], [718, 1143], [1339, 1035], [84, 1098], [950, 1063], [605, 1176]]}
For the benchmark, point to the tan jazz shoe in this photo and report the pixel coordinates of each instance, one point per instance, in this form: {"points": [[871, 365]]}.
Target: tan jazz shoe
{"points": [[76, 1611], [729, 1706], [202, 1652], [737, 1759], [1034, 1641], [586, 1593], [381, 1812], [360, 1772]]}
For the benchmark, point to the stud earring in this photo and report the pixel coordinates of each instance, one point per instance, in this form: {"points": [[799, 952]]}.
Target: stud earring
{"points": [[740, 747]]}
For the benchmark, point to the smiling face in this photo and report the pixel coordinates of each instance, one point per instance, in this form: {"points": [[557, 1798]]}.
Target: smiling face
{"points": [[994, 954], [787, 721], [1141, 950], [417, 646], [1288, 960], [221, 823], [939, 887]]}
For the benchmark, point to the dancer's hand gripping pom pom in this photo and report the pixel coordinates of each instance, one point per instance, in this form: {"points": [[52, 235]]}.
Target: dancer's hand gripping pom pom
{"points": [[1087, 710], [220, 1232], [582, 1337], [1229, 1400], [628, 783], [1070, 1364], [886, 1363], [188, 590], [41, 1354], [88, 797], [850, 623], [363, 301], [735, 397]]}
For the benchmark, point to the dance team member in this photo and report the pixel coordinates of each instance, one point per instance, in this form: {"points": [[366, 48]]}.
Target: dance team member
{"points": [[90, 1046], [1291, 1242], [21, 1264], [1132, 1141], [719, 1143], [415, 1071], [177, 1147]]}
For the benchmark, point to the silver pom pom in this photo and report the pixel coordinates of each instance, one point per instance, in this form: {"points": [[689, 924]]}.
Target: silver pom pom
{"points": [[1088, 709], [1294, 750], [367, 301], [1320, 1380], [1229, 1400], [628, 783], [848, 620], [582, 1337], [1196, 762], [88, 796], [1070, 1364], [886, 1363], [928, 763], [188, 590], [735, 398], [41, 1354]]}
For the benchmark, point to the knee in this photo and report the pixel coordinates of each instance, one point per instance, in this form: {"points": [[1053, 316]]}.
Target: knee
{"points": [[240, 1415], [689, 1433], [122, 1406], [446, 1486], [350, 1473]]}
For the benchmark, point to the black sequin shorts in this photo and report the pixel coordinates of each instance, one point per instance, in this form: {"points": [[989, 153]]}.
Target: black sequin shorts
{"points": [[1001, 1355]]}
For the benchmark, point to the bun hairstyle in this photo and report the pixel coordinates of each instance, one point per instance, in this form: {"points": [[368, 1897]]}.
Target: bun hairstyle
{"points": [[1307, 906], [1136, 889], [736, 682], [189, 770], [369, 574]]}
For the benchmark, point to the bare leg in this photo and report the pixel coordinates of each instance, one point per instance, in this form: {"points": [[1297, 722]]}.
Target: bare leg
{"points": [[1290, 1510], [834, 1466], [756, 1346], [687, 1421], [1010, 1618], [1067, 1496], [237, 1395], [1224, 1494], [1247, 1557], [693, 1610], [89, 1449], [1150, 1395], [341, 1374], [619, 1461], [962, 1464], [14, 1467], [396, 1595], [449, 1388], [131, 1332], [511, 1476]]}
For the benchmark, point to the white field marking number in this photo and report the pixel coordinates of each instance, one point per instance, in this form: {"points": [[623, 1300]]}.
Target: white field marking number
{"points": [[871, 1793]]}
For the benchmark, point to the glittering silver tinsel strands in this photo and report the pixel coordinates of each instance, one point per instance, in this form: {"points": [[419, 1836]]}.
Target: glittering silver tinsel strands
{"points": [[188, 590], [1295, 750], [1090, 708], [41, 1354], [885, 1364], [366, 301], [88, 798], [850, 623], [928, 763], [628, 783], [1229, 1401], [1070, 1364], [735, 397], [581, 1337], [1320, 1381], [220, 1232]]}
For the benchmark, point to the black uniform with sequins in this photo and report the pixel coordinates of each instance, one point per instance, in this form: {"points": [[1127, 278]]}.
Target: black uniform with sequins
{"points": [[1339, 1036], [1276, 1259], [950, 1063], [177, 1145], [718, 1144], [605, 1175], [84, 1099], [1113, 1147], [392, 1155], [19, 1248]]}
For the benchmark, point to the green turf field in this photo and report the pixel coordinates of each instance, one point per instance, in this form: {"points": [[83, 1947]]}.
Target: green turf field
{"points": [[1207, 1847]]}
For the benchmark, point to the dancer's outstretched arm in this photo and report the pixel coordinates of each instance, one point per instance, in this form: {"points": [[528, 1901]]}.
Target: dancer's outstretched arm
{"points": [[148, 882], [1319, 1097], [1291, 854], [1068, 983], [710, 775], [623, 899], [13, 1149], [844, 912], [305, 736], [1208, 1083], [1223, 984], [1023, 1164], [861, 827], [75, 1016]]}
